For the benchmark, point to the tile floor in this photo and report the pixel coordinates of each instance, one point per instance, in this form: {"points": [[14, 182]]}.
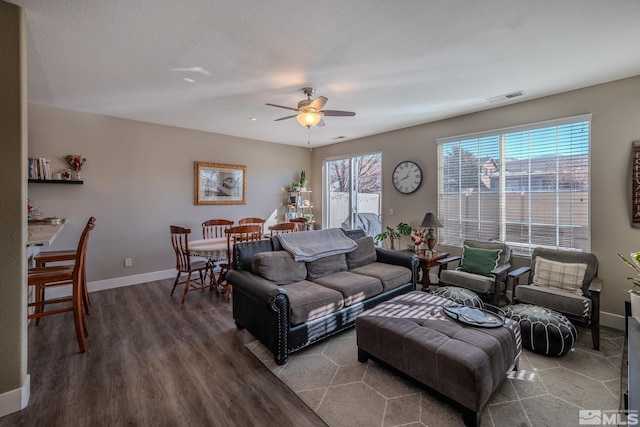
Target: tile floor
{"points": [[545, 391]]}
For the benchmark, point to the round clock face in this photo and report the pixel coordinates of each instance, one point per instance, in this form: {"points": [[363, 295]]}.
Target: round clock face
{"points": [[407, 177]]}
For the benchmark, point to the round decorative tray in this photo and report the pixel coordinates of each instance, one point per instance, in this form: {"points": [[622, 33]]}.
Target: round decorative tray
{"points": [[474, 316]]}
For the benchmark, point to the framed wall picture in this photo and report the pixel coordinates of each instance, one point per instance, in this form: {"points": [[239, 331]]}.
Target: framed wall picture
{"points": [[220, 184]]}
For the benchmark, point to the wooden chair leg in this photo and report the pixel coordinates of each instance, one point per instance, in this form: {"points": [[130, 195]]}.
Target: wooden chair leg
{"points": [[186, 287], [175, 283], [78, 318], [595, 336], [39, 297]]}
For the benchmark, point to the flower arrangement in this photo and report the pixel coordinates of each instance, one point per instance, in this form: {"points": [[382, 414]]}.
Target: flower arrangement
{"points": [[75, 161], [418, 236], [635, 264]]}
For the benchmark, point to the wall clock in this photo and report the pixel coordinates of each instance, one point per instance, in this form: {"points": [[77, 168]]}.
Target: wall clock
{"points": [[407, 177]]}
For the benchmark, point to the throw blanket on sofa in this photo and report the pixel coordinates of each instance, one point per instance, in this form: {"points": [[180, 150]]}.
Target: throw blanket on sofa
{"points": [[312, 245]]}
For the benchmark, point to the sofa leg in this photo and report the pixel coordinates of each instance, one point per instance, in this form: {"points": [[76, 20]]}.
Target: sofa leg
{"points": [[363, 356], [282, 360], [471, 418]]}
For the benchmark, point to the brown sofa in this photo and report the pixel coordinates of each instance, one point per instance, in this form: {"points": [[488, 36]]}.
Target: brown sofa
{"points": [[288, 304]]}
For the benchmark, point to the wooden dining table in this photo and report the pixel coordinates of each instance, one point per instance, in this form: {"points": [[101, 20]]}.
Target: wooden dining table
{"points": [[214, 250]]}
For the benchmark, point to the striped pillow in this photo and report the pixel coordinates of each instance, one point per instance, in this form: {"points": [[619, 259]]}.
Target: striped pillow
{"points": [[566, 277]]}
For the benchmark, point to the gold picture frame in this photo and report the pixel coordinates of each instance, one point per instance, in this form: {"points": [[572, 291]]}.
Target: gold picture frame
{"points": [[220, 184]]}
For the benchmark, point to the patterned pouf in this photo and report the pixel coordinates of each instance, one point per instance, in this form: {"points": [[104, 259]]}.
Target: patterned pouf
{"points": [[543, 331], [459, 295]]}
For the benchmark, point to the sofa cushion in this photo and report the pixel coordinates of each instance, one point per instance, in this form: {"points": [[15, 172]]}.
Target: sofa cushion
{"points": [[561, 276], [353, 287], [391, 276], [479, 261], [364, 254], [326, 266], [278, 267], [308, 301]]}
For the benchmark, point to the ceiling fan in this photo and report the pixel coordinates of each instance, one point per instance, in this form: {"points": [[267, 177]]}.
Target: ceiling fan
{"points": [[310, 111]]}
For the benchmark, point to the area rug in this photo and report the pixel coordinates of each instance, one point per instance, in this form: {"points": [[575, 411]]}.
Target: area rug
{"points": [[545, 391]]}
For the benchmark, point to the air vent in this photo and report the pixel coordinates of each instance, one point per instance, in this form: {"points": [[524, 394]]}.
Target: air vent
{"points": [[506, 96]]}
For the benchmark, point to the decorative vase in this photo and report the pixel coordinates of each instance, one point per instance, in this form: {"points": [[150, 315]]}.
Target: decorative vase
{"points": [[418, 248], [635, 304], [78, 175]]}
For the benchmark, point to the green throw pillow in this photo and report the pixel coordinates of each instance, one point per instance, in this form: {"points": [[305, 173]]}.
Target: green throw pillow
{"points": [[479, 261]]}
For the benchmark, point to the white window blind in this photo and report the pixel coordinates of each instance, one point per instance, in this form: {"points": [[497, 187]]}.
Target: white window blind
{"points": [[526, 186]]}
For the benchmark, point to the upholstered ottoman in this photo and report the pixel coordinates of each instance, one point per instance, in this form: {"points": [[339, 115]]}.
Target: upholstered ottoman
{"points": [[460, 295], [412, 334], [543, 331]]}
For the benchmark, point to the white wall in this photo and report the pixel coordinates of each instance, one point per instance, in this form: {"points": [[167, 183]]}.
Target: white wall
{"points": [[616, 123]]}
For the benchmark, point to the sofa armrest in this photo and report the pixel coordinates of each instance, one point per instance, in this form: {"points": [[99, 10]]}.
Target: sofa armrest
{"points": [[443, 264], [595, 285], [403, 259], [254, 287], [501, 270]]}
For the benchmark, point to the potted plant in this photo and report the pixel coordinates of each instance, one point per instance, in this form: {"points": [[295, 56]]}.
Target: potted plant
{"points": [[303, 180], [392, 235], [635, 281]]}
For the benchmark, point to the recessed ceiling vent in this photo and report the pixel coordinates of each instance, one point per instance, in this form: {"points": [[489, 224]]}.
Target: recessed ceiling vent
{"points": [[506, 96]]}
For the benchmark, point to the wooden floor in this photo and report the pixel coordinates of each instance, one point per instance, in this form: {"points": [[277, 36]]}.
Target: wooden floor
{"points": [[153, 362]]}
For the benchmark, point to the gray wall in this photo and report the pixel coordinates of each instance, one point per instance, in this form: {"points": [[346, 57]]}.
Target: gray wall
{"points": [[13, 138], [139, 179], [615, 124]]}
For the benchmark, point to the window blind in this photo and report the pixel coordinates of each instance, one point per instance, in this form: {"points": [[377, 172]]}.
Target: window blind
{"points": [[526, 186]]}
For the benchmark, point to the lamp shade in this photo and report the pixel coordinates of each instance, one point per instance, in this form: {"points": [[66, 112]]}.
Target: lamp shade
{"points": [[431, 221], [309, 118]]}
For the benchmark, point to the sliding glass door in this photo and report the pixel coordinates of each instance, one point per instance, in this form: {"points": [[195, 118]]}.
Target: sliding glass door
{"points": [[353, 196]]}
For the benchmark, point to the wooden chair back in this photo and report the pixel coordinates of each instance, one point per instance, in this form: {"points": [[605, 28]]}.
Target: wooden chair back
{"points": [[283, 227], [301, 223], [242, 233], [214, 228], [253, 221], [180, 243]]}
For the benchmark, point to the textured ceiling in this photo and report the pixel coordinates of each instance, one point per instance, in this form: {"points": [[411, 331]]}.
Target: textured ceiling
{"points": [[395, 63]]}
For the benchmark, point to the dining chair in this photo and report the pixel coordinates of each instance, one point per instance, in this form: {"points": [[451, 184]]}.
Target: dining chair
{"points": [[241, 233], [60, 275], [283, 227], [184, 265], [67, 256], [253, 221], [302, 223], [214, 228]]}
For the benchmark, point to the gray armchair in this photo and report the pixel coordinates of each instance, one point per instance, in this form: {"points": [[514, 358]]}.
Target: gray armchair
{"points": [[582, 306], [491, 285]]}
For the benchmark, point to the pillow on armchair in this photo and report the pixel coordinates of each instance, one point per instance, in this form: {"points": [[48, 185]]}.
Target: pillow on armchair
{"points": [[562, 276], [479, 261]]}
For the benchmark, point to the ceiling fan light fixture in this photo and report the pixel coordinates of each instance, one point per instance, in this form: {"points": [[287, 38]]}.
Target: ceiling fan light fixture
{"points": [[309, 118]]}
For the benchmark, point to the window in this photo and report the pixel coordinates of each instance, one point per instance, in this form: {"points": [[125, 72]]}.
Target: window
{"points": [[526, 186], [353, 190]]}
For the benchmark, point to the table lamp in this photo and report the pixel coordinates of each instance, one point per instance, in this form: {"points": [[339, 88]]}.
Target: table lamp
{"points": [[431, 221]]}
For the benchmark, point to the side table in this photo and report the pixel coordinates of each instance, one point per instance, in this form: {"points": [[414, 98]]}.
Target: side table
{"points": [[428, 260]]}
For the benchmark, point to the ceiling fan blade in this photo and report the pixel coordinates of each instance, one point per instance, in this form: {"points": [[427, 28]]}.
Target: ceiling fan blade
{"points": [[320, 123], [337, 113], [282, 106], [284, 118], [318, 103]]}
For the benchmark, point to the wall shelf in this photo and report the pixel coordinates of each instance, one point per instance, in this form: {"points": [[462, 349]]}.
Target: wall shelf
{"points": [[56, 181]]}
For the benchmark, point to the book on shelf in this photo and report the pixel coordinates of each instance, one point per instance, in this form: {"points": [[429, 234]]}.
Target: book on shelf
{"points": [[39, 168]]}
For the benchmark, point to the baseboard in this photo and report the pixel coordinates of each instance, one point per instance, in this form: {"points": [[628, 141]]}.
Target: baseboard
{"points": [[117, 282], [15, 400], [615, 321]]}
